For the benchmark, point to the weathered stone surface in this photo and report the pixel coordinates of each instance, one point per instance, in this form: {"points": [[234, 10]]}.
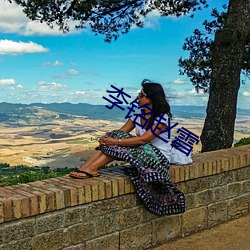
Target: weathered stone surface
{"points": [[77, 247], [217, 213], [18, 230], [80, 233], [220, 193], [51, 240], [194, 220], [49, 222], [234, 189], [17, 245], [245, 186], [240, 174], [196, 185], [99, 208], [190, 203], [166, 228], [238, 206], [74, 215], [136, 238], [105, 224], [131, 217], [203, 198], [107, 242]]}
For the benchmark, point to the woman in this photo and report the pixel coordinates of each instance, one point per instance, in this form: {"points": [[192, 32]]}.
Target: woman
{"points": [[147, 154]]}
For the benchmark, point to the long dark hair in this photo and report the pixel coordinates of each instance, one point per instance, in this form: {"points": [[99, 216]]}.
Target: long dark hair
{"points": [[160, 105]]}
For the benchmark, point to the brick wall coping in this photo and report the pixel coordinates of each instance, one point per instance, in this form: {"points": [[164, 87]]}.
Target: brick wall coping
{"points": [[39, 197]]}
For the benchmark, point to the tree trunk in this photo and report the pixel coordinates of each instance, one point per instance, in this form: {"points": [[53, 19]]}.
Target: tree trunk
{"points": [[227, 56]]}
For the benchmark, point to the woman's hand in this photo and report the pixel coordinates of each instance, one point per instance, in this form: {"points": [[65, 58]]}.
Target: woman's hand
{"points": [[107, 141]]}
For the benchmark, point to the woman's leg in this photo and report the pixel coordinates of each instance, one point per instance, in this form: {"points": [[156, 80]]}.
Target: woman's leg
{"points": [[91, 159], [98, 160]]}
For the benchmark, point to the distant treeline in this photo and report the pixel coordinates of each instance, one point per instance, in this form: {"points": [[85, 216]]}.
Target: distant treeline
{"points": [[9, 111]]}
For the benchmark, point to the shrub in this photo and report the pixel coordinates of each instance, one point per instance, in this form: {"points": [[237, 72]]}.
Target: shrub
{"points": [[242, 142]]}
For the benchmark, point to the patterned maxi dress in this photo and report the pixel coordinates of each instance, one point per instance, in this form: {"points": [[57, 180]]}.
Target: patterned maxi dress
{"points": [[149, 173]]}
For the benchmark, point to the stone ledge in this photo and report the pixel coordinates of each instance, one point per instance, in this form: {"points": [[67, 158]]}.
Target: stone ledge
{"points": [[39, 197]]}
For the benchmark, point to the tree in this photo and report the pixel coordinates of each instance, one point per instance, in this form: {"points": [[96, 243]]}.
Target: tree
{"points": [[219, 126], [227, 58], [108, 17], [113, 17]]}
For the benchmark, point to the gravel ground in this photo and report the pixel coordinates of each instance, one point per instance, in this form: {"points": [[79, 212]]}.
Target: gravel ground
{"points": [[232, 235]]}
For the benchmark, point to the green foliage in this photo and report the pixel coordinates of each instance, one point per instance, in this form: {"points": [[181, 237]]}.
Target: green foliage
{"points": [[23, 174], [242, 142], [109, 17], [198, 67]]}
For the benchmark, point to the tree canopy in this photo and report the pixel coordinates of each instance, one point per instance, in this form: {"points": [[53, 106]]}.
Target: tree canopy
{"points": [[108, 17], [198, 67]]}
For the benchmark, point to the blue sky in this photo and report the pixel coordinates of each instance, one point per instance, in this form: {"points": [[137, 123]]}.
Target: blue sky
{"points": [[38, 64]]}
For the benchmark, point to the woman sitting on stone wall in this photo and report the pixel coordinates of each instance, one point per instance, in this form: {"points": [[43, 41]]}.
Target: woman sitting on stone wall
{"points": [[147, 152]]}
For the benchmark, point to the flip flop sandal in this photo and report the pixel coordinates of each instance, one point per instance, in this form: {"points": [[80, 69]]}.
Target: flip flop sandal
{"points": [[87, 175]]}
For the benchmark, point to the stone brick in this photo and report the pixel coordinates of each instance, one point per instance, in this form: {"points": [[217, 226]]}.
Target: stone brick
{"points": [[194, 220], [24, 244], [41, 202], [18, 230], [106, 206], [203, 198], [51, 240], [101, 191], [1, 211], [49, 222], [7, 209], [190, 203], [115, 188], [105, 224], [59, 197], [234, 189], [107, 242], [220, 193], [217, 213], [130, 217], [74, 215], [17, 213], [247, 171], [79, 233], [240, 174], [127, 185], [238, 206], [135, 238], [245, 186], [166, 228], [197, 185], [181, 174], [88, 193]]}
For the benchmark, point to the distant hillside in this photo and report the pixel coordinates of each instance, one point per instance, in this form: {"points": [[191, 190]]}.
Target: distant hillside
{"points": [[48, 112]]}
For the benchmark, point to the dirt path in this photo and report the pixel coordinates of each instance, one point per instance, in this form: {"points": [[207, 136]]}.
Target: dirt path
{"points": [[233, 235]]}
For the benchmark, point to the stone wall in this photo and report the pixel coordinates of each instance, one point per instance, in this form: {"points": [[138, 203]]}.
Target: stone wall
{"points": [[105, 212]]}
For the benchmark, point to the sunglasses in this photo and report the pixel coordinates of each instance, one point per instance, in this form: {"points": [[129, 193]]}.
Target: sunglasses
{"points": [[140, 94]]}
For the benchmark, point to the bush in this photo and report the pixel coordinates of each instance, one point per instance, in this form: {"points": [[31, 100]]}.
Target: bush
{"points": [[22, 174], [242, 142]]}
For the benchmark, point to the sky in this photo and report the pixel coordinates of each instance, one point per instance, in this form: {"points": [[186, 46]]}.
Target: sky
{"points": [[38, 64]]}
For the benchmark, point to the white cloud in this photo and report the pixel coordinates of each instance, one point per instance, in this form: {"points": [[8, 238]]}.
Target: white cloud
{"points": [[13, 20], [15, 48], [55, 63], [73, 72], [80, 92], [246, 93], [7, 82], [44, 86], [178, 81]]}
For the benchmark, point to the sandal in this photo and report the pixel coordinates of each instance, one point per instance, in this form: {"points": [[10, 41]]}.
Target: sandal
{"points": [[86, 176]]}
